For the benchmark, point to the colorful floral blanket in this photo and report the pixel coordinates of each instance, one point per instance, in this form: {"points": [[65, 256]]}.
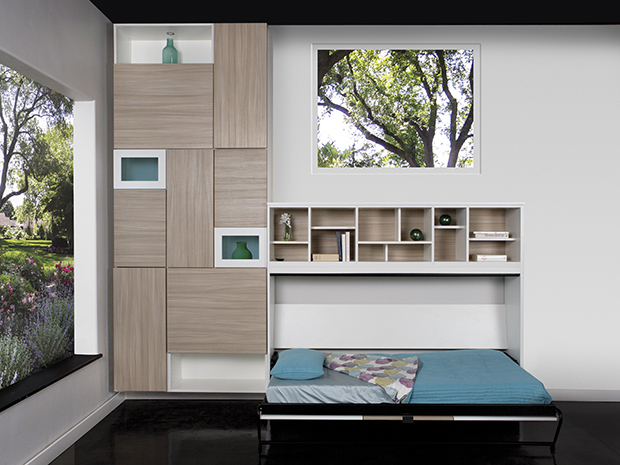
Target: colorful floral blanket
{"points": [[395, 375]]}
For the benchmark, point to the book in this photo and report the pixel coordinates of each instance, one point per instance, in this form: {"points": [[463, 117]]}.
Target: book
{"points": [[325, 257], [339, 243], [491, 234], [491, 258]]}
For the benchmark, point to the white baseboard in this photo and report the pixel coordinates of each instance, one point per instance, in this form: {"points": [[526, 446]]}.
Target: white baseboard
{"points": [[65, 441], [584, 395]]}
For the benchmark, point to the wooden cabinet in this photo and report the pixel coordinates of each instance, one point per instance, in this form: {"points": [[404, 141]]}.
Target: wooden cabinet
{"points": [[140, 227], [217, 311], [163, 106], [240, 80], [190, 208], [139, 329], [177, 318], [240, 188]]}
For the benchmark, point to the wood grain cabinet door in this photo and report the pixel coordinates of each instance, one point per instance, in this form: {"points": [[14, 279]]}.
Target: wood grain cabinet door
{"points": [[163, 106], [190, 208], [240, 83], [217, 310], [140, 329], [140, 227], [241, 188]]}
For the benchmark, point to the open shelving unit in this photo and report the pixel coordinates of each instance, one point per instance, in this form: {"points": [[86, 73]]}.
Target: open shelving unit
{"points": [[380, 236]]}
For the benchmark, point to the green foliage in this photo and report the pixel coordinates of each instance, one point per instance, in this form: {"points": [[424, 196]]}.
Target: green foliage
{"points": [[49, 333], [28, 154], [8, 210], [36, 313], [15, 360], [398, 100]]}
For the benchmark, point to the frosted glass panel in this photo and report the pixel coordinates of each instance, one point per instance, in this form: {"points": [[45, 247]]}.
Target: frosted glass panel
{"points": [[139, 169]]}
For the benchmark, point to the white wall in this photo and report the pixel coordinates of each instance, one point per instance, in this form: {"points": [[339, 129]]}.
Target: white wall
{"points": [[548, 123], [64, 45]]}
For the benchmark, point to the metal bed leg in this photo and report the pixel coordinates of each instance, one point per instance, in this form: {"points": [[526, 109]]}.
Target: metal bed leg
{"points": [[560, 417]]}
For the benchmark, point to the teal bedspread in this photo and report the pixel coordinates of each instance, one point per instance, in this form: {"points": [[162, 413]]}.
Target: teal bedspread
{"points": [[473, 377]]}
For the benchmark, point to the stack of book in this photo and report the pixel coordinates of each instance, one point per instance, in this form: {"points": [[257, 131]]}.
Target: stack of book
{"points": [[343, 242], [491, 234], [344, 246], [325, 257], [491, 258]]}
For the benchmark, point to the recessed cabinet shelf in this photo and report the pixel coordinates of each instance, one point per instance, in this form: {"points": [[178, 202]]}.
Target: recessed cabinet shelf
{"points": [[143, 43], [382, 236]]}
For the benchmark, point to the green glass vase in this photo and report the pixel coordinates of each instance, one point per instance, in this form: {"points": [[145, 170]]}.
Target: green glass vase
{"points": [[169, 54], [242, 252]]}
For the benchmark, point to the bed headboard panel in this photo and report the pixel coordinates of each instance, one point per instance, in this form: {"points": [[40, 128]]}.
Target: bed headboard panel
{"points": [[389, 312]]}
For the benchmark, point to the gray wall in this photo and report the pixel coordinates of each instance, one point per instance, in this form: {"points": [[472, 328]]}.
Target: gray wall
{"points": [[548, 119], [64, 45]]}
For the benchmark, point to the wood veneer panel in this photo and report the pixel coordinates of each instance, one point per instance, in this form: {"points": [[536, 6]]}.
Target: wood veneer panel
{"points": [[139, 329], [240, 80], [163, 106], [190, 208], [217, 310], [140, 227], [240, 188]]}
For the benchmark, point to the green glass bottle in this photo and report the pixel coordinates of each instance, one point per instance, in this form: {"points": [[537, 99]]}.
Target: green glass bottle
{"points": [[169, 54]]}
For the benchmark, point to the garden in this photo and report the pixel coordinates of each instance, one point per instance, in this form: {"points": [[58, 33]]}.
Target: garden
{"points": [[36, 306]]}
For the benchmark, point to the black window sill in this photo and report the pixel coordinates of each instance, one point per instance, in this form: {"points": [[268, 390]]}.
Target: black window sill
{"points": [[32, 384]]}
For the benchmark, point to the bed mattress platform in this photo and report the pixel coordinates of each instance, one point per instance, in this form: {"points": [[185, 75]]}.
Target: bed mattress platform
{"points": [[463, 387]]}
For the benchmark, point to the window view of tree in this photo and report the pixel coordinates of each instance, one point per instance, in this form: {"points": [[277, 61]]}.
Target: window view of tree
{"points": [[395, 108], [36, 227]]}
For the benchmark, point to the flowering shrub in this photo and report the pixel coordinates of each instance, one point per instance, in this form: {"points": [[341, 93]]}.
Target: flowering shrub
{"points": [[63, 275], [17, 300], [15, 360], [36, 317], [49, 333]]}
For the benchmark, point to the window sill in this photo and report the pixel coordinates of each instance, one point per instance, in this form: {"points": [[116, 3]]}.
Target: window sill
{"points": [[23, 389]]}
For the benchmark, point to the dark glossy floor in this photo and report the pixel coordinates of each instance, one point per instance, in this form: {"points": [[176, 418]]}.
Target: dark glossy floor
{"points": [[224, 432]]}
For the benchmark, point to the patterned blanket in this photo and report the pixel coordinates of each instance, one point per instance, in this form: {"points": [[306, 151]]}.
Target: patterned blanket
{"points": [[395, 375]]}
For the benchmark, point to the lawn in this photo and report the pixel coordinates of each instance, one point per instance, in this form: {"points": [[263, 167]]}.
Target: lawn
{"points": [[20, 250]]}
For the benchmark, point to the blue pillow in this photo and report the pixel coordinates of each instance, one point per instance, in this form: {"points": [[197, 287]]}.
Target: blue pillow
{"points": [[299, 364]]}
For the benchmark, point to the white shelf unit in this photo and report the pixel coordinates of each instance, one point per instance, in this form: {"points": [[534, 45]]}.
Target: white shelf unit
{"points": [[143, 43], [217, 373], [380, 237]]}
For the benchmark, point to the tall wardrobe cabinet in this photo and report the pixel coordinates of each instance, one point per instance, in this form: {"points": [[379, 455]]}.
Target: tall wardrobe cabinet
{"points": [[190, 157]]}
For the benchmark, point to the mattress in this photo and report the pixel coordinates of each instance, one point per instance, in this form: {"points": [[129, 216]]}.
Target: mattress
{"points": [[444, 377]]}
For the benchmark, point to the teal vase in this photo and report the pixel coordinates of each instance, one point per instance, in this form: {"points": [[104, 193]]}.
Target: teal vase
{"points": [[169, 54], [242, 252]]}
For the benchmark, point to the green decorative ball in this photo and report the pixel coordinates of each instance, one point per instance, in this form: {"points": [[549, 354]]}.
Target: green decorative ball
{"points": [[416, 235], [445, 220]]}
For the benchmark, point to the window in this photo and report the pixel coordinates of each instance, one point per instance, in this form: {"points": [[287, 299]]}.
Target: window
{"points": [[36, 227], [396, 107]]}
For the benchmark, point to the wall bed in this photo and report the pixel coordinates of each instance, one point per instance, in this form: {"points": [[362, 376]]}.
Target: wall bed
{"points": [[456, 291]]}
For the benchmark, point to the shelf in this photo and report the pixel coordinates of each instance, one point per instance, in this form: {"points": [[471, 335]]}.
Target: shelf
{"points": [[139, 169], [195, 372], [381, 234], [143, 43], [226, 242]]}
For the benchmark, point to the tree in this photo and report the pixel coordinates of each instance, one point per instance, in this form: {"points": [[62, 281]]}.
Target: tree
{"points": [[23, 148], [8, 210], [49, 199], [399, 99]]}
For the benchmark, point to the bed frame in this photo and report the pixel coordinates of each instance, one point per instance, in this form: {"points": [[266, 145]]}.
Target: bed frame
{"points": [[436, 414]]}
